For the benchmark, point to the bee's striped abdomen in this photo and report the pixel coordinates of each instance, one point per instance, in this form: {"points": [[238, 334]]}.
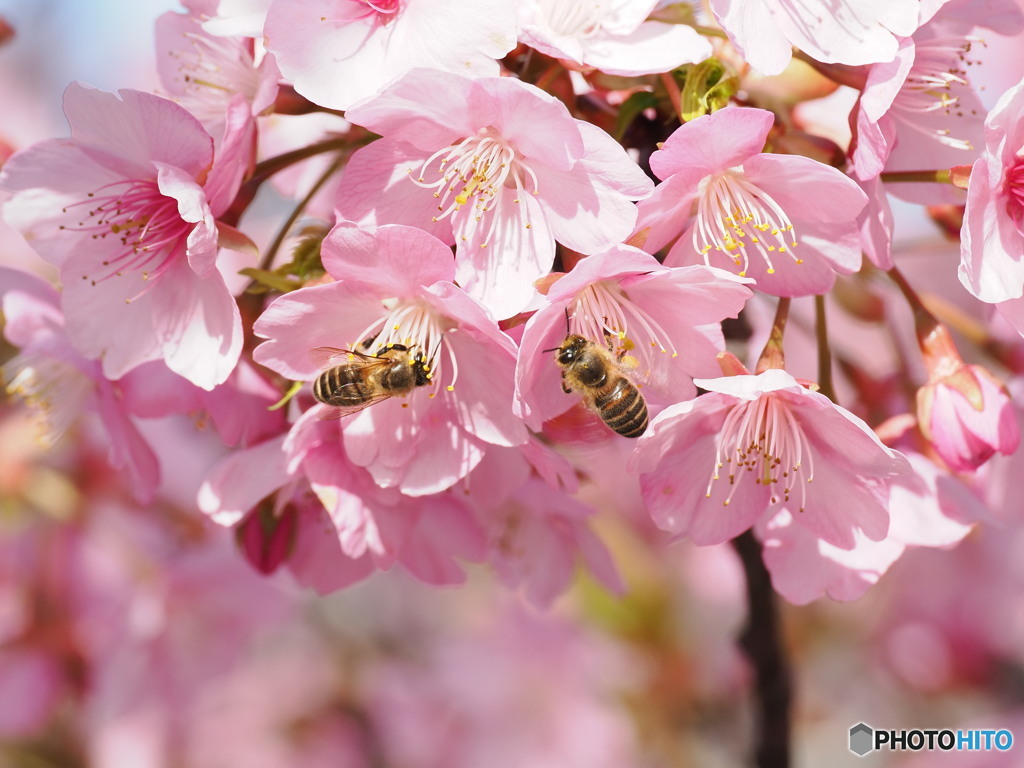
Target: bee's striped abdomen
{"points": [[623, 409], [340, 387]]}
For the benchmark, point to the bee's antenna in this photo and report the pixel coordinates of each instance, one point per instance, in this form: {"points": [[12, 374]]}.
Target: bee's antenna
{"points": [[437, 349], [566, 319]]}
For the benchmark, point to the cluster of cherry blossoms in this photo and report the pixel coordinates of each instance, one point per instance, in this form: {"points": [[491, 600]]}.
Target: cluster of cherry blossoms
{"points": [[351, 240], [474, 210]]}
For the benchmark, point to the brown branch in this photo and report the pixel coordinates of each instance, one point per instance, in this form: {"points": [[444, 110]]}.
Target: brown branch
{"points": [[762, 644]]}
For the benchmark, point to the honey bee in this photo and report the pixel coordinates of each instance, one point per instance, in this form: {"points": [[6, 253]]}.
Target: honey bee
{"points": [[354, 380], [592, 371]]}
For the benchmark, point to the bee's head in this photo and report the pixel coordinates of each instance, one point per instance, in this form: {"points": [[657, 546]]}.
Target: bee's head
{"points": [[422, 368], [569, 350]]}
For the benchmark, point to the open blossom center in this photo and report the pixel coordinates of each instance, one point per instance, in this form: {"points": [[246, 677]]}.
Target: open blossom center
{"points": [[213, 69], [939, 70], [56, 391], [734, 216], [474, 174], [1013, 188], [418, 327], [761, 442], [381, 11], [143, 227], [603, 312], [574, 18]]}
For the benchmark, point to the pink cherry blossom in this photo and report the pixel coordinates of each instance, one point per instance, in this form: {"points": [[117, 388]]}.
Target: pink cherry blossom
{"points": [[968, 416], [787, 221], [53, 379], [615, 38], [395, 287], [126, 209], [844, 31], [338, 52], [765, 442], [496, 166], [664, 321], [206, 73], [920, 110], [992, 238]]}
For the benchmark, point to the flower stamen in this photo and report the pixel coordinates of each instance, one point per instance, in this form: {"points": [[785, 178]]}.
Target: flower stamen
{"points": [[763, 438], [604, 311], [734, 213], [145, 222], [476, 169]]}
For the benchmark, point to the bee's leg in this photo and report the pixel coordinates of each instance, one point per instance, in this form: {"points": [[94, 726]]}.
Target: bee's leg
{"points": [[565, 387]]}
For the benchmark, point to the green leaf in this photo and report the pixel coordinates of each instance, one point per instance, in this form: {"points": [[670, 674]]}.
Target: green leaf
{"points": [[705, 88]]}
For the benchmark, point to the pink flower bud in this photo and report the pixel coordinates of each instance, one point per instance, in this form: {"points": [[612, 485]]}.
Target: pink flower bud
{"points": [[967, 416], [266, 540]]}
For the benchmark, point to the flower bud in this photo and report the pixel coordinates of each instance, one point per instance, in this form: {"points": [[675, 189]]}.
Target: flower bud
{"points": [[963, 411]]}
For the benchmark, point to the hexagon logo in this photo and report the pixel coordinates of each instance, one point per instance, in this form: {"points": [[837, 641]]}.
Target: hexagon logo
{"points": [[861, 739]]}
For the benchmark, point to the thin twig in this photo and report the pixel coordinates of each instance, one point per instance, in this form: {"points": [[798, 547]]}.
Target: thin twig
{"points": [[825, 383], [282, 233], [940, 176]]}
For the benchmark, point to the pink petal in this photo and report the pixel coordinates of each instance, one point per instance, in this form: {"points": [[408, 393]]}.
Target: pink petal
{"points": [[234, 158], [752, 28], [676, 459], [192, 207], [129, 450], [537, 124], [539, 394], [714, 142], [317, 560], [876, 225], [929, 508], [240, 480], [589, 207], [653, 47], [500, 274], [848, 31], [331, 315], [991, 248], [483, 394], [840, 502], [376, 188], [401, 113], [804, 568], [197, 321], [396, 260], [30, 307], [306, 36], [47, 177], [666, 213], [446, 530], [138, 128]]}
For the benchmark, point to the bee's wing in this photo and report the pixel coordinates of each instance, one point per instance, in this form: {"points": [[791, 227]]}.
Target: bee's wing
{"points": [[630, 366], [329, 412], [366, 365], [325, 357]]}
